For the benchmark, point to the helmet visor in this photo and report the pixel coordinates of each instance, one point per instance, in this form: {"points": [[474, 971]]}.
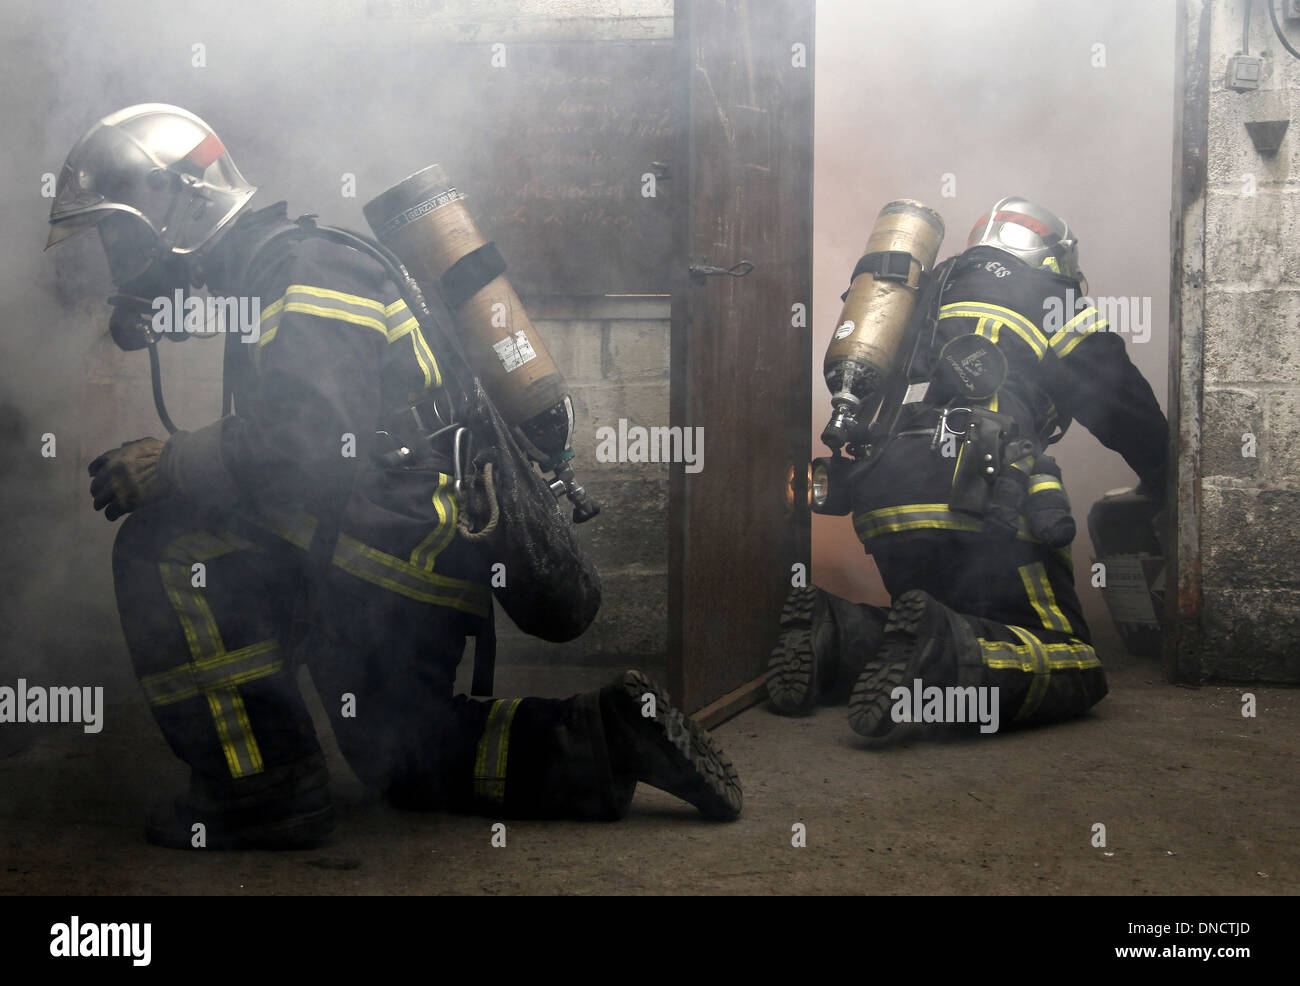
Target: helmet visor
{"points": [[65, 229], [128, 243]]}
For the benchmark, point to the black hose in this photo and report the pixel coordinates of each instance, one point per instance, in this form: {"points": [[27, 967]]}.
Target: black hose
{"points": [[155, 375], [1277, 29]]}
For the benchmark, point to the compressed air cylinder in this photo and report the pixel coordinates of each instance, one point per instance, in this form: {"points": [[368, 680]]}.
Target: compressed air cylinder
{"points": [[869, 335], [423, 220]]}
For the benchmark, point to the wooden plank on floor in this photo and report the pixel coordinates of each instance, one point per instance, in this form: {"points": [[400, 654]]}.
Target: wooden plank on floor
{"points": [[733, 703]]}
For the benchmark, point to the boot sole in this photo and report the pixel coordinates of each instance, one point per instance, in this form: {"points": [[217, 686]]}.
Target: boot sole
{"points": [[914, 635], [792, 677], [701, 772], [792, 674], [798, 609]]}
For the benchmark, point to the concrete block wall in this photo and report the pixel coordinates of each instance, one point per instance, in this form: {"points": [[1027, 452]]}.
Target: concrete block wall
{"points": [[1242, 490], [614, 355]]}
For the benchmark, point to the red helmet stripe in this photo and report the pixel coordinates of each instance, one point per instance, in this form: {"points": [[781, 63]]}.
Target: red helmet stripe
{"points": [[205, 152], [1020, 219]]}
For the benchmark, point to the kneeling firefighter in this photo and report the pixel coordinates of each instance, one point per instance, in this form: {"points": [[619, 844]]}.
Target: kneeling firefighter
{"points": [[948, 385], [347, 510]]}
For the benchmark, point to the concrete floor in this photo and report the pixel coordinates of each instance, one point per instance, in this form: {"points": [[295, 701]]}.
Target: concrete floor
{"points": [[1195, 800]]}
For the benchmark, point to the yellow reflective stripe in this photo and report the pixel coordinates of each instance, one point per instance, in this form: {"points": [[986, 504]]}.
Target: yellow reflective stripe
{"points": [[235, 732], [1041, 483], [494, 751], [208, 651], [268, 325], [1033, 656], [401, 323], [1042, 674], [1017, 323], [1076, 330], [425, 368], [374, 566], [399, 319], [307, 299], [1042, 598], [220, 670], [396, 575], [920, 516], [1051, 264], [425, 355], [427, 551], [325, 311], [197, 622], [325, 294], [1018, 657]]}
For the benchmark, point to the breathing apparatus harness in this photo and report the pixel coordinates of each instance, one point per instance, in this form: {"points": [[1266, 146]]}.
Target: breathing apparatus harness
{"points": [[994, 459]]}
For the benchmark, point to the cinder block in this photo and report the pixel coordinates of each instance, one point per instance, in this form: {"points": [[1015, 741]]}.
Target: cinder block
{"points": [[632, 528], [598, 307], [1251, 239], [632, 626], [1250, 539], [1250, 336], [1251, 634], [1230, 416], [637, 350], [1280, 453], [601, 405], [1234, 165], [576, 345]]}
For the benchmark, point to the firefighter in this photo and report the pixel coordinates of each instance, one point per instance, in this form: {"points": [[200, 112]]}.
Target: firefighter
{"points": [[288, 531], [964, 512]]}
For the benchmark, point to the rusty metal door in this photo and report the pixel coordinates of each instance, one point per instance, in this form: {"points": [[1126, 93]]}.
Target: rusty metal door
{"points": [[741, 346]]}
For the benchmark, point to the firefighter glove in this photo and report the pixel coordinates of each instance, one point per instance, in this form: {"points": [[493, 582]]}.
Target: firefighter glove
{"points": [[127, 477]]}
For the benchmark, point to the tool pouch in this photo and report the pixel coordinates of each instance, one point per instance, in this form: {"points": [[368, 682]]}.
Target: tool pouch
{"points": [[980, 460]]}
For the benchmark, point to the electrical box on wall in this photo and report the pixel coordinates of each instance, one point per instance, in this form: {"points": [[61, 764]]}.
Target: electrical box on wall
{"points": [[1244, 72]]}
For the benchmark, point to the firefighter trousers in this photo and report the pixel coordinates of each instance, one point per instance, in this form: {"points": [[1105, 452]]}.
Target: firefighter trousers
{"points": [[1017, 597], [220, 608]]}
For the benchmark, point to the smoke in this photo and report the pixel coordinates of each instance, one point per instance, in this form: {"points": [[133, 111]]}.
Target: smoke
{"points": [[1002, 95], [324, 104], [1070, 105]]}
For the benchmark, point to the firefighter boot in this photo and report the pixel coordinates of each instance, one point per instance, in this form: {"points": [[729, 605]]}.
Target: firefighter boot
{"points": [[799, 661], [651, 741], [923, 639], [825, 643], [285, 807], [859, 636]]}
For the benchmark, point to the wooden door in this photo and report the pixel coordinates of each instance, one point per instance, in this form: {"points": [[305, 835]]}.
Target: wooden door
{"points": [[741, 346]]}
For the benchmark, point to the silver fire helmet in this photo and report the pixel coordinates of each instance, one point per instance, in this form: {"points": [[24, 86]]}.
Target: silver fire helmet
{"points": [[159, 175], [1026, 230]]}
